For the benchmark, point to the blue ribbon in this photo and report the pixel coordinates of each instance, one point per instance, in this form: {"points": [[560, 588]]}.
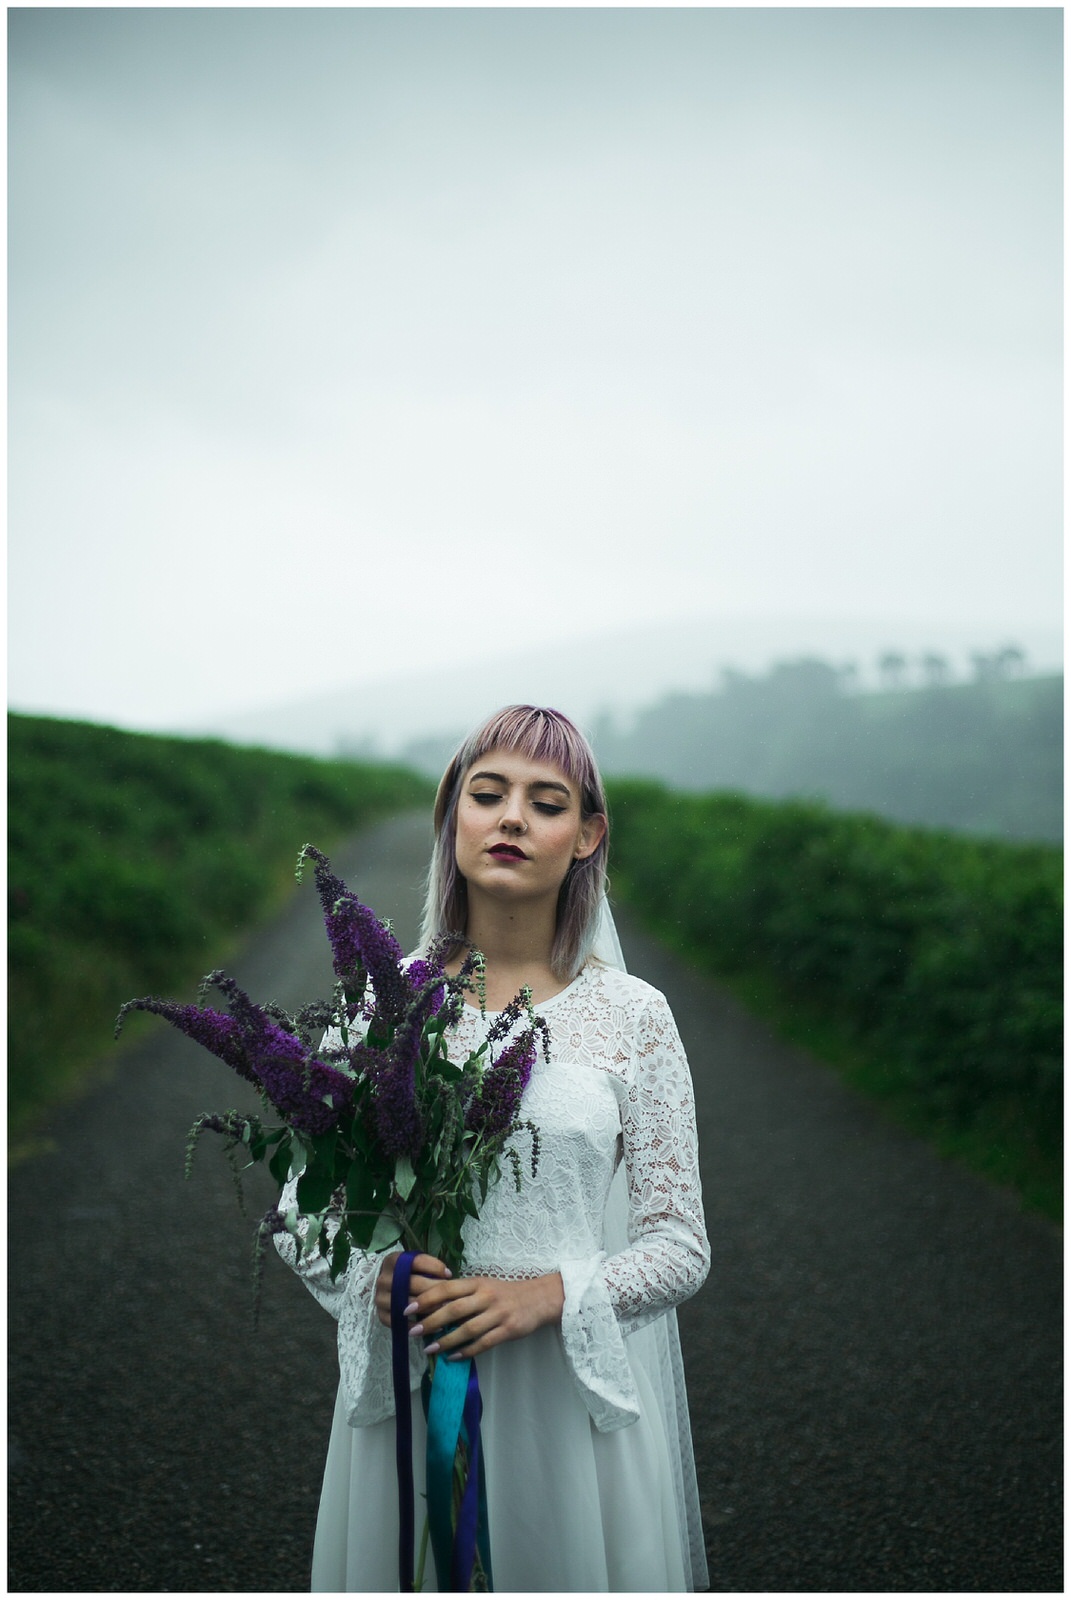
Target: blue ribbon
{"points": [[403, 1433], [453, 1408]]}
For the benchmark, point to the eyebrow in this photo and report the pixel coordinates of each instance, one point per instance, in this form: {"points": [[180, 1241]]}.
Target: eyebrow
{"points": [[540, 783]]}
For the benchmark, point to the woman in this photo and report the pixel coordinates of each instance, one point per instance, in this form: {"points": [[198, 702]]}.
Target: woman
{"points": [[567, 1298]]}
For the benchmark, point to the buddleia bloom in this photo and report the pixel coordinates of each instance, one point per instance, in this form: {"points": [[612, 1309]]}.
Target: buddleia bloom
{"points": [[495, 1106], [359, 941], [307, 1092], [221, 1034], [392, 1071]]}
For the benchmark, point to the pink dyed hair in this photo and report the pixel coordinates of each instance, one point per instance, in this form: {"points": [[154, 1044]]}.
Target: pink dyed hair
{"points": [[540, 734]]}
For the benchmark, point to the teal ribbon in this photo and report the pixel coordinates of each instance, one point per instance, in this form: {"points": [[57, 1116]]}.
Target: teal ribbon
{"points": [[453, 1416]]}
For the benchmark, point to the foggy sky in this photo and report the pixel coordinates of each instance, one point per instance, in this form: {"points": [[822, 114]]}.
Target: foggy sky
{"points": [[348, 342]]}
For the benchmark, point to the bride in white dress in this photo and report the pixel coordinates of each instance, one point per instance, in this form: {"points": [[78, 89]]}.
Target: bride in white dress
{"points": [[567, 1297]]}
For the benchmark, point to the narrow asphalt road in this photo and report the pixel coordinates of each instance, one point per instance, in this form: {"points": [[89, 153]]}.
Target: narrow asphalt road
{"points": [[874, 1364]]}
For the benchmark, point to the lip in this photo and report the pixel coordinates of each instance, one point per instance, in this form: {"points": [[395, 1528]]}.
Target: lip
{"points": [[507, 852]]}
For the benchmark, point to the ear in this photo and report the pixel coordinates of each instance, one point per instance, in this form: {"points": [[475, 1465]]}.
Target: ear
{"points": [[592, 833]]}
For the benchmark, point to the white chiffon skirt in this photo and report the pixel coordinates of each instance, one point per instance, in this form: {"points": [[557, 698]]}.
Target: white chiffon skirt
{"points": [[570, 1509]]}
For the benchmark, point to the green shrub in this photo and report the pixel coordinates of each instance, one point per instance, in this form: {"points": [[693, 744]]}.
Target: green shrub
{"points": [[938, 955], [135, 860]]}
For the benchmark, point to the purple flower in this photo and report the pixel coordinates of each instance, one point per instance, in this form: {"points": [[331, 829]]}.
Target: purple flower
{"points": [[248, 1040], [494, 1107], [359, 941], [395, 1118], [298, 1085], [219, 1033], [421, 972]]}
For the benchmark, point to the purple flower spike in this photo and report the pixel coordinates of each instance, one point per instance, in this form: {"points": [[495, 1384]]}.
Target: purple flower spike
{"points": [[419, 973], [301, 1097], [219, 1033], [495, 1106], [262, 1052], [359, 940], [353, 925], [392, 1074], [394, 1113]]}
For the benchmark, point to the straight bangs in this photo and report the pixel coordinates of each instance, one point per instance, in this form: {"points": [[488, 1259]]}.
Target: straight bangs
{"points": [[539, 734]]}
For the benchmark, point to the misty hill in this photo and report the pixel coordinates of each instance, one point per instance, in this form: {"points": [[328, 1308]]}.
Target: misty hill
{"points": [[983, 757], [617, 671]]}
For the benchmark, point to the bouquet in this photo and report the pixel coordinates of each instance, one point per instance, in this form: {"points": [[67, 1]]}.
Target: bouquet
{"points": [[392, 1145]]}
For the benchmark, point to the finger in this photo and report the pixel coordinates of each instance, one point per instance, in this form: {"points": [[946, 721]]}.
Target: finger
{"points": [[445, 1301], [479, 1333], [433, 1321], [430, 1267], [420, 1285]]}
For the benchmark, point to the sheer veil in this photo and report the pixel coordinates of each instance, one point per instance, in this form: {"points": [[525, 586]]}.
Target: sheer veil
{"points": [[656, 1348], [607, 946]]}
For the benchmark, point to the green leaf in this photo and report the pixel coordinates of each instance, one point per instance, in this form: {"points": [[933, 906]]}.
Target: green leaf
{"points": [[360, 1187], [279, 1165], [300, 1155], [387, 1232], [340, 1253], [323, 1148], [314, 1189], [361, 1230], [404, 1176]]}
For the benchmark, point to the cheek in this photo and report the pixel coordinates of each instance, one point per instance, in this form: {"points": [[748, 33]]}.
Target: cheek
{"points": [[566, 840], [469, 833]]}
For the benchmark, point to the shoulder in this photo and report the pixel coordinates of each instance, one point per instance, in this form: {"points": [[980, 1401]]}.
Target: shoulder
{"points": [[611, 986]]}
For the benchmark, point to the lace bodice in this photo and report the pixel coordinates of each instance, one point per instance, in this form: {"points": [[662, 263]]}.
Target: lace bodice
{"points": [[616, 1089]]}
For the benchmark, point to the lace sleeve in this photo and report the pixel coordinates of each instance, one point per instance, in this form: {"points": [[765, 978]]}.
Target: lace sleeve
{"points": [[364, 1349], [668, 1254]]}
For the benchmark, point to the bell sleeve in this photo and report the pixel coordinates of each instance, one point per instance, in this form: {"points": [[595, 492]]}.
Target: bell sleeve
{"points": [[668, 1255], [364, 1344]]}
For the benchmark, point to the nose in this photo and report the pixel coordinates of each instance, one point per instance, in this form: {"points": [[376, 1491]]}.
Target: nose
{"points": [[512, 820]]}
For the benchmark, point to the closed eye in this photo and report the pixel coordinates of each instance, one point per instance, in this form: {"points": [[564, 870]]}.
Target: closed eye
{"points": [[547, 809]]}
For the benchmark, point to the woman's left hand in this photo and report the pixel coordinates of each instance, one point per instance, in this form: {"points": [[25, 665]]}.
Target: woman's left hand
{"points": [[483, 1312]]}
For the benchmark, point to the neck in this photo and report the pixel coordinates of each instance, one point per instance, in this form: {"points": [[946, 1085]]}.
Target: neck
{"points": [[516, 941]]}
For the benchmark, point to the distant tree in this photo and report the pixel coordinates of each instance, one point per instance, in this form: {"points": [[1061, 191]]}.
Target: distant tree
{"points": [[936, 668], [1010, 661], [985, 667], [806, 678], [891, 668]]}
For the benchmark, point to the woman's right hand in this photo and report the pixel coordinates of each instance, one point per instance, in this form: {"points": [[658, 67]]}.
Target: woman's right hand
{"points": [[426, 1271]]}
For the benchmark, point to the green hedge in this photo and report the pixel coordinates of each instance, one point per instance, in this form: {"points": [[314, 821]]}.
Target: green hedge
{"points": [[135, 860], [937, 956]]}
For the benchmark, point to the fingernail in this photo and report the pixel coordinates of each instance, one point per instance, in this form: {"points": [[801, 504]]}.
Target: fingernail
{"points": [[431, 1349], [410, 1308], [414, 1333]]}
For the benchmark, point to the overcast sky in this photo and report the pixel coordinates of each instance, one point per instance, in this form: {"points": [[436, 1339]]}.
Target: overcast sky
{"points": [[346, 343]]}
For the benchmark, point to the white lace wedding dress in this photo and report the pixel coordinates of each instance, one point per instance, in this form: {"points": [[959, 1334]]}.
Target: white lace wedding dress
{"points": [[590, 1477]]}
